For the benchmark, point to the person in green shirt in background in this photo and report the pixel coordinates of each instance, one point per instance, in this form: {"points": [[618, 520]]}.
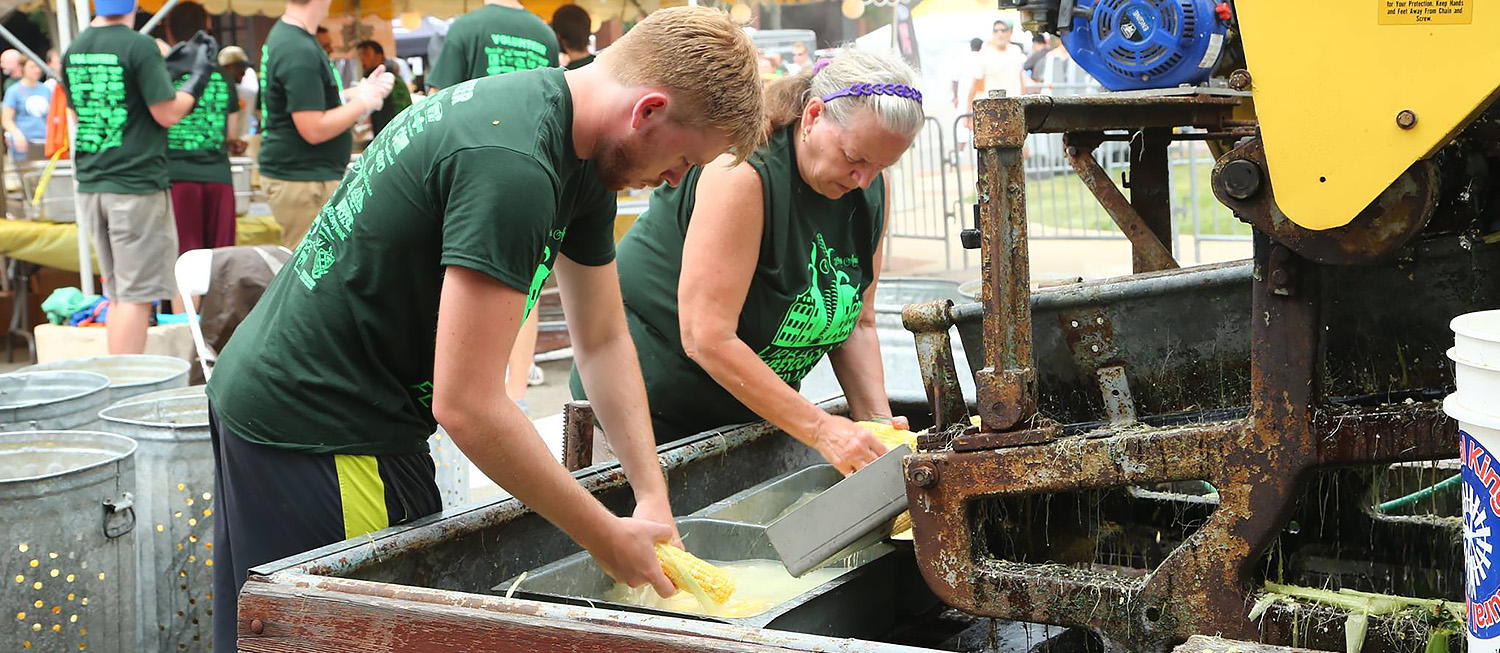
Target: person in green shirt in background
{"points": [[499, 37], [371, 58], [306, 143], [740, 280], [573, 26], [403, 302], [118, 86], [198, 147]]}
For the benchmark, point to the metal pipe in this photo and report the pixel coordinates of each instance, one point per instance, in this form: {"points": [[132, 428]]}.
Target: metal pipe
{"points": [[1117, 290], [1421, 494], [17, 44], [83, 13], [160, 14], [64, 27]]}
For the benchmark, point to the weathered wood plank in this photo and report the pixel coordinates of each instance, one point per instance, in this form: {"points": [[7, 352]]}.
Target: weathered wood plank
{"points": [[1204, 644], [312, 620]]}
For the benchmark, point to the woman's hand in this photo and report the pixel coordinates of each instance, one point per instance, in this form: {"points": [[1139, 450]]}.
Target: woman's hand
{"points": [[848, 446]]}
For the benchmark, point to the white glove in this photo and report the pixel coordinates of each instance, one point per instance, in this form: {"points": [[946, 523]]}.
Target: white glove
{"points": [[373, 89]]}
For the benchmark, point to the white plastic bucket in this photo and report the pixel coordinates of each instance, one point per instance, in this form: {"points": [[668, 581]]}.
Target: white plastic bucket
{"points": [[1478, 384], [1476, 339], [1479, 439]]}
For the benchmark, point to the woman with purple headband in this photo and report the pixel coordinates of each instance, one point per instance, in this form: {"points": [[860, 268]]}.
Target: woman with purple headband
{"points": [[739, 280]]}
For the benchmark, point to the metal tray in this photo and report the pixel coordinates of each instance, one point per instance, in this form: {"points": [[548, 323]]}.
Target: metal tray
{"points": [[859, 602], [763, 503]]}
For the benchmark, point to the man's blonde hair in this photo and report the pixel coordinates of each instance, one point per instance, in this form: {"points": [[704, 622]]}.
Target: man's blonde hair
{"points": [[704, 62]]}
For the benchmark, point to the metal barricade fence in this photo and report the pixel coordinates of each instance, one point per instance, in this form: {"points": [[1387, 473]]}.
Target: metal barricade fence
{"points": [[926, 206]]}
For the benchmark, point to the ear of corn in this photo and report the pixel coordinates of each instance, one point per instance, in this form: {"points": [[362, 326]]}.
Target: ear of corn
{"points": [[691, 573], [891, 436]]}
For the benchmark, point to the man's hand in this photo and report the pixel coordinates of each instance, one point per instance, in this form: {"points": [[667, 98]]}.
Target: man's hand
{"points": [[659, 510], [847, 445], [628, 553], [197, 58], [236, 146]]}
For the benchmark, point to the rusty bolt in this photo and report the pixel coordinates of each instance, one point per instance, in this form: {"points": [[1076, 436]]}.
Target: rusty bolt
{"points": [[1072, 151], [256, 627], [1241, 179], [1406, 119], [922, 474], [1278, 277], [1239, 80]]}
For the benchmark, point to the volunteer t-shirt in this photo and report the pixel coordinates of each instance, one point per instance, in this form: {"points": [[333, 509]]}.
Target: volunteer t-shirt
{"points": [[30, 104], [816, 261], [492, 40], [195, 145], [337, 356], [295, 75], [113, 75]]}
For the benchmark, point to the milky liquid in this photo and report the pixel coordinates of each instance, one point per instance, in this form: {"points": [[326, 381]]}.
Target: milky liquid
{"points": [[759, 586]]}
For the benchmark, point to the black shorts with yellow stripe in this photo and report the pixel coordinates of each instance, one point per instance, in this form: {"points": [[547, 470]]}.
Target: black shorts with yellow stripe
{"points": [[273, 503]]}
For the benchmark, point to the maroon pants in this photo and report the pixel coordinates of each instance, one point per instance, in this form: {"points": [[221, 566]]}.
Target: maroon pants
{"points": [[205, 214]]}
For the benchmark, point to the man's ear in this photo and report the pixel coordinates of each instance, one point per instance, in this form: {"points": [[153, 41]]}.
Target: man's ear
{"points": [[649, 107]]}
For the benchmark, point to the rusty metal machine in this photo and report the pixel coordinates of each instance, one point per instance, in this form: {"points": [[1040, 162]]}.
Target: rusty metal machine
{"points": [[1149, 499]]}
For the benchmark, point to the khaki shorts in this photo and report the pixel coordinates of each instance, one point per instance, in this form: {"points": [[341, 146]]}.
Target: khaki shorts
{"points": [[135, 237], [295, 204]]}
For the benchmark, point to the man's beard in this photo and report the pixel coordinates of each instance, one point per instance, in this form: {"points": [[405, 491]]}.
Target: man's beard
{"points": [[617, 162]]}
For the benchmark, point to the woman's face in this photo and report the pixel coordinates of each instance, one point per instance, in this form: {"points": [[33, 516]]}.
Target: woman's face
{"points": [[30, 71], [834, 160]]}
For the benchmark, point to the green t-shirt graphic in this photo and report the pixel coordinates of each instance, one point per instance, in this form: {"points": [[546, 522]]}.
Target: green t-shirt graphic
{"points": [[195, 145], [295, 75], [816, 261], [113, 76], [337, 357], [492, 40]]}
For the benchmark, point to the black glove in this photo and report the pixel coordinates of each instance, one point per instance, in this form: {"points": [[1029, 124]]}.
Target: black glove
{"points": [[197, 58]]}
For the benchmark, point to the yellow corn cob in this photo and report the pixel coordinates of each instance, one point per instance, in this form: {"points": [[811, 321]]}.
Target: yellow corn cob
{"points": [[682, 567], [902, 523], [891, 436]]}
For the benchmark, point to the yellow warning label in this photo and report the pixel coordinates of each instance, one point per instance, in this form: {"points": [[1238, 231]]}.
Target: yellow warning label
{"points": [[1426, 12]]}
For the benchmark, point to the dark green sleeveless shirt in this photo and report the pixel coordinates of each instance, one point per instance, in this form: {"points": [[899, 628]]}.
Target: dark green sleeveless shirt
{"points": [[816, 258]]}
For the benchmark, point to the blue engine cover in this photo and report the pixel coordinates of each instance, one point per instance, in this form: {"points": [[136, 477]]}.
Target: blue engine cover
{"points": [[1139, 44]]}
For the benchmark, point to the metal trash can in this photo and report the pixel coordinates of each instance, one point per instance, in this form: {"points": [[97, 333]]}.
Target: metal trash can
{"points": [[67, 542], [174, 498], [452, 469], [51, 401], [129, 374], [173, 393]]}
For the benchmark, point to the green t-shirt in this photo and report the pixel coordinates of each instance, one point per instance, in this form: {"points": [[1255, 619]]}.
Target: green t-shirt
{"points": [[806, 294], [337, 357], [398, 101], [295, 75], [195, 145], [113, 75], [492, 40]]}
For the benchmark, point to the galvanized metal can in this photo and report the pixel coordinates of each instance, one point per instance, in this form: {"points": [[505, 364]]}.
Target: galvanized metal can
{"points": [[52, 401], [129, 374], [453, 469], [67, 542], [174, 498]]}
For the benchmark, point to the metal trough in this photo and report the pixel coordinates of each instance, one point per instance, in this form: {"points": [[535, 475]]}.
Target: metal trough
{"points": [[858, 602]]}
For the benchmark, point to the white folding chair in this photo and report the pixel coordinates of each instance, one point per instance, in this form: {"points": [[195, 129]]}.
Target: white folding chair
{"points": [[194, 271]]}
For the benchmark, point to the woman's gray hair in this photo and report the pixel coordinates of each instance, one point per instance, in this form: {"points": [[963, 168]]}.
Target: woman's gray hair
{"points": [[787, 97]]}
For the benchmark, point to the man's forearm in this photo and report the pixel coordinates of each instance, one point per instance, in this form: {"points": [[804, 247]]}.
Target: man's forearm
{"points": [[611, 374], [506, 447]]}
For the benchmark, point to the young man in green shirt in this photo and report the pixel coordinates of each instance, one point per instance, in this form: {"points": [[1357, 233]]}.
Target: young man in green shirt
{"points": [[198, 147], [499, 37], [398, 311], [118, 86], [371, 58], [306, 143]]}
